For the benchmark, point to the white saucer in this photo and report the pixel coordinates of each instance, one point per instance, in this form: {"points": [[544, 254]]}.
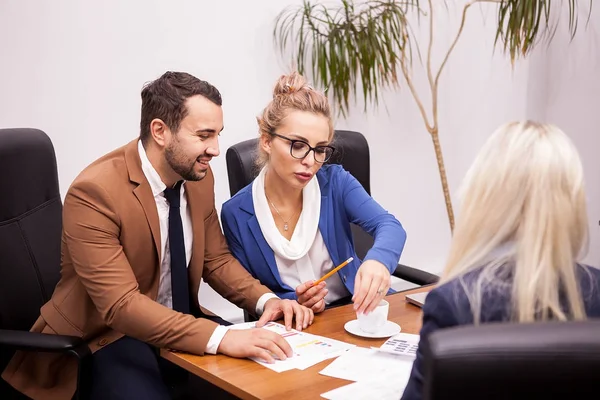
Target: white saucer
{"points": [[388, 329]]}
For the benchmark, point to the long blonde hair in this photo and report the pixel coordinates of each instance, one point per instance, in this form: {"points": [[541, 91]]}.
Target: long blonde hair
{"points": [[523, 216]]}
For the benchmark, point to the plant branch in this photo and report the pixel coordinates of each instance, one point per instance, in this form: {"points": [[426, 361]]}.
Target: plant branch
{"points": [[411, 86], [432, 84], [460, 30], [458, 34]]}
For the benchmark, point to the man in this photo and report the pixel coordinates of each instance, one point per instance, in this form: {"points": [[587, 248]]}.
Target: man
{"points": [[140, 231]]}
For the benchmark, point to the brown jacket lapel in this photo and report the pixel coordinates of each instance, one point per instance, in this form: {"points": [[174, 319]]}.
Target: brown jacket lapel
{"points": [[143, 192]]}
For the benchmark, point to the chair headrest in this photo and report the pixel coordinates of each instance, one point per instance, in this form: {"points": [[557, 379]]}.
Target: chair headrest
{"points": [[29, 174]]}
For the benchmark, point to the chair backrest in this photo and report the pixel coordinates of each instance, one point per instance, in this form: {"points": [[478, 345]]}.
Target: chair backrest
{"points": [[30, 227], [513, 361], [351, 152]]}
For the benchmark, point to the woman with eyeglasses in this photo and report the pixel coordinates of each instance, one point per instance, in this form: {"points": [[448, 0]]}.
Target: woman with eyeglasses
{"points": [[291, 225]]}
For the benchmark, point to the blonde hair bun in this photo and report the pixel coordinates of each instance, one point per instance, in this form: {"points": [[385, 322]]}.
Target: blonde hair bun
{"points": [[288, 84]]}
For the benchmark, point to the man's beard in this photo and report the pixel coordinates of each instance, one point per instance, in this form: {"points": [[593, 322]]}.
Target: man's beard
{"points": [[182, 165]]}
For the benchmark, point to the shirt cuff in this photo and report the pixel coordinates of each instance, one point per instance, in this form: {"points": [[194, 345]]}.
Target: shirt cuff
{"points": [[215, 339], [260, 305]]}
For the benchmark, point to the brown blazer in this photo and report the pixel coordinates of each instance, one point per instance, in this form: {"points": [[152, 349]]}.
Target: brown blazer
{"points": [[110, 272]]}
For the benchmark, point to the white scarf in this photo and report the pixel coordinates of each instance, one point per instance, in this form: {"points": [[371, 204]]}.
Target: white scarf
{"points": [[306, 228]]}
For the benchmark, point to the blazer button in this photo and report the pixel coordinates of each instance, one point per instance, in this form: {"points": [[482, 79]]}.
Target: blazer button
{"points": [[344, 278], [102, 342]]}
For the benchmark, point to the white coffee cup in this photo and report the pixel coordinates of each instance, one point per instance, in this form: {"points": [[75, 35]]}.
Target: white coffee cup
{"points": [[372, 322]]}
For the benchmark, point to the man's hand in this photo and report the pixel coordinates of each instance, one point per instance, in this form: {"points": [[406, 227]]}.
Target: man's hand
{"points": [[371, 285], [288, 309], [261, 343], [311, 296]]}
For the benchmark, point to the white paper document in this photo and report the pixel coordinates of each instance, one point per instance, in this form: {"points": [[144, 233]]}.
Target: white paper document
{"points": [[360, 363], [378, 373], [379, 389], [308, 349]]}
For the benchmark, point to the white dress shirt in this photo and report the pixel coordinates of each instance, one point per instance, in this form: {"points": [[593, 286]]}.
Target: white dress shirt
{"points": [[164, 286]]}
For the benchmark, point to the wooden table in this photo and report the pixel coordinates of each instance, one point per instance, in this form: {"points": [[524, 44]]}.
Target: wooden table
{"points": [[249, 380]]}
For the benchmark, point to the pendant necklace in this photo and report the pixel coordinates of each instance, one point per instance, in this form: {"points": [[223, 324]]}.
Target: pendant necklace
{"points": [[285, 223]]}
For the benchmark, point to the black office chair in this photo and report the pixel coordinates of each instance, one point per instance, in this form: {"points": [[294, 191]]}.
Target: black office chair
{"points": [[550, 360], [352, 152], [30, 239]]}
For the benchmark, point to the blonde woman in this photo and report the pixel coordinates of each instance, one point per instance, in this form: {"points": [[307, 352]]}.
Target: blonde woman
{"points": [[291, 225], [521, 229]]}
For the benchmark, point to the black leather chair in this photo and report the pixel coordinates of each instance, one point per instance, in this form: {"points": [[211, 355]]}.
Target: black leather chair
{"points": [[352, 152], [550, 360], [30, 239]]}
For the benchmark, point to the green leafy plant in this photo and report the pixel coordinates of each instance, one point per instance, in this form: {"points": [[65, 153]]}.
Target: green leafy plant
{"points": [[369, 45]]}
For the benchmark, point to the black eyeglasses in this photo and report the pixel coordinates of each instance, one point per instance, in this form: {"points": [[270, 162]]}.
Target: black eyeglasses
{"points": [[299, 149]]}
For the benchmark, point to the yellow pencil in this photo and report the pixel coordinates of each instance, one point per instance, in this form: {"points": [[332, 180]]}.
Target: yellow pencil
{"points": [[333, 271]]}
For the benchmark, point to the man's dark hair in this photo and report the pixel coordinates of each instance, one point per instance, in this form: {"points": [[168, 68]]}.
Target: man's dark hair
{"points": [[165, 97]]}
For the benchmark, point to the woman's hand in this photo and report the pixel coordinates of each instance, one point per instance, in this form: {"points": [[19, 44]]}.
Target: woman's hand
{"points": [[371, 285], [311, 296]]}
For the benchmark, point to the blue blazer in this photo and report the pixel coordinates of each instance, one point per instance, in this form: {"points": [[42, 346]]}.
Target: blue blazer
{"points": [[448, 305], [343, 200]]}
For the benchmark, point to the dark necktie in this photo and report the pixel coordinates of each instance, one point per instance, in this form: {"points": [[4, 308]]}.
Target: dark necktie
{"points": [[179, 274]]}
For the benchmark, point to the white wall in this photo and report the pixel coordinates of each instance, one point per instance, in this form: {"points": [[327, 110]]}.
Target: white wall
{"points": [[75, 70], [564, 88]]}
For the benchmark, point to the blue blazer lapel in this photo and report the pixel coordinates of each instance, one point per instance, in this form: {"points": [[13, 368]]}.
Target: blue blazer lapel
{"points": [[326, 223], [265, 249]]}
